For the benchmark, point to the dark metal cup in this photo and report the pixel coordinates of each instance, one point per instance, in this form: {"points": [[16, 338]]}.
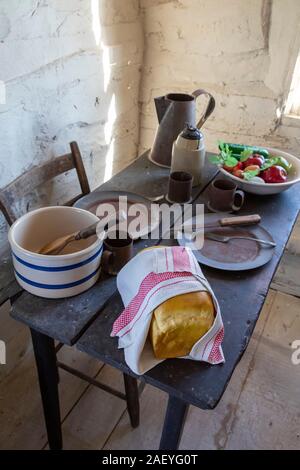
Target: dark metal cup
{"points": [[224, 196], [117, 252], [180, 187]]}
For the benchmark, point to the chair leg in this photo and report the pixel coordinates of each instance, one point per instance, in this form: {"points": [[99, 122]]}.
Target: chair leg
{"points": [[173, 424], [45, 357], [132, 399]]}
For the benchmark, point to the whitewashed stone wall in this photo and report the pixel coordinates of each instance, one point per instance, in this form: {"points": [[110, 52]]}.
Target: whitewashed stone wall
{"points": [[241, 51], [71, 70]]}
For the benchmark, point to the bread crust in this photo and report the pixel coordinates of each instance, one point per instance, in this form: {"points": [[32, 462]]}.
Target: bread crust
{"points": [[178, 323]]}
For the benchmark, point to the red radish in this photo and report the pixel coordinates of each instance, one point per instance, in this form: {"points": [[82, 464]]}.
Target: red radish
{"points": [[238, 173], [228, 168], [231, 169], [274, 174], [238, 166], [256, 159]]}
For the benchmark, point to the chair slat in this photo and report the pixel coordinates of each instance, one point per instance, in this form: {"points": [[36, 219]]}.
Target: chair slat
{"points": [[84, 183], [39, 175]]}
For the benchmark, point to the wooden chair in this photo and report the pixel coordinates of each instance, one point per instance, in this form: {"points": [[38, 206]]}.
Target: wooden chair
{"points": [[17, 190], [38, 175]]}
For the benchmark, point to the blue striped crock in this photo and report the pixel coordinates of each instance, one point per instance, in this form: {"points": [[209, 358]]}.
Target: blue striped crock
{"points": [[54, 276]]}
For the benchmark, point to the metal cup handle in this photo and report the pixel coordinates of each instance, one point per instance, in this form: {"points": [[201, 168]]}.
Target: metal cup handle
{"points": [[107, 260], [241, 194]]}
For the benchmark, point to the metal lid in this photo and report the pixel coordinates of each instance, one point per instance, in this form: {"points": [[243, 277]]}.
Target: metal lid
{"points": [[191, 133]]}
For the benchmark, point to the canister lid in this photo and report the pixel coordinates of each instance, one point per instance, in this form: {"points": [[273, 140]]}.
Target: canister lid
{"points": [[191, 133]]}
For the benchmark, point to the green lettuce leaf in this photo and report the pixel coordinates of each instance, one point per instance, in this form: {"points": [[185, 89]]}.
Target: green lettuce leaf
{"points": [[248, 175], [245, 154], [231, 161]]}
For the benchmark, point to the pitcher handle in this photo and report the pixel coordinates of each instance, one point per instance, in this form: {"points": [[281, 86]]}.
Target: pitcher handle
{"points": [[210, 106]]}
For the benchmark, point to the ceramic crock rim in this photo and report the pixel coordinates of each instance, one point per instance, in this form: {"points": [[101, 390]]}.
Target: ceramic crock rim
{"points": [[34, 255]]}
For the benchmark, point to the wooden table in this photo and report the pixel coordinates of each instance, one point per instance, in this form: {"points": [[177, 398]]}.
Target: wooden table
{"points": [[87, 319]]}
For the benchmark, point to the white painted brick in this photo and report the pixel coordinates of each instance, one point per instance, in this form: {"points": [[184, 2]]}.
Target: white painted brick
{"points": [[55, 74], [119, 11], [242, 52], [203, 25]]}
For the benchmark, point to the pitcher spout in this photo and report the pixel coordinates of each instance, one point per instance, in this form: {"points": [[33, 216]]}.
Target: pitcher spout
{"points": [[161, 105]]}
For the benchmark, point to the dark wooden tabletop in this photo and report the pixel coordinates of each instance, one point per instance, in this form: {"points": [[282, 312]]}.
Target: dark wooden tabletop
{"points": [[241, 296], [88, 317], [8, 284], [66, 319]]}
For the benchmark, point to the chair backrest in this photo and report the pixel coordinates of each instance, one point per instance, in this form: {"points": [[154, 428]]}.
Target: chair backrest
{"points": [[39, 175]]}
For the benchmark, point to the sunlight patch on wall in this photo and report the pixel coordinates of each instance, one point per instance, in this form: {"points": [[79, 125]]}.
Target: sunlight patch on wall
{"points": [[108, 132], [111, 118], [293, 102], [99, 42], [106, 66], [109, 160], [96, 21], [106, 70]]}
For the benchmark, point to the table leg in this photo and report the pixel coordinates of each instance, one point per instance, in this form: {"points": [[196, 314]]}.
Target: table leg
{"points": [[132, 399], [45, 357], [173, 424]]}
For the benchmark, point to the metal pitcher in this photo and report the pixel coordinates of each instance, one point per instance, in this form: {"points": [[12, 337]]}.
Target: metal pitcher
{"points": [[174, 110]]}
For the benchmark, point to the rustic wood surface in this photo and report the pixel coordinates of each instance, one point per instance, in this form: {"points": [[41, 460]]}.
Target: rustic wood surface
{"points": [[66, 319], [22, 423], [8, 284], [259, 410], [146, 179], [241, 297], [287, 277]]}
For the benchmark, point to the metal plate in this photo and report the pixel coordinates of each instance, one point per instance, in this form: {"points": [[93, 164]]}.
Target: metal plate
{"points": [[236, 255], [91, 201]]}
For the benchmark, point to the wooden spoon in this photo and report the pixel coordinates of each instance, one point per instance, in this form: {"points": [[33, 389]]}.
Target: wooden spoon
{"points": [[56, 246]]}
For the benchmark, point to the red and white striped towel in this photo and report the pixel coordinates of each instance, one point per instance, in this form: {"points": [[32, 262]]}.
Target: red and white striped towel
{"points": [[150, 278]]}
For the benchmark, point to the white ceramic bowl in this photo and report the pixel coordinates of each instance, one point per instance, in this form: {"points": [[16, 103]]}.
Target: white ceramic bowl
{"points": [[73, 271], [269, 188]]}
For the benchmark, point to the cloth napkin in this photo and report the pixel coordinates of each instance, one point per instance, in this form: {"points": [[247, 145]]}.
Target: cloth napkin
{"points": [[150, 278]]}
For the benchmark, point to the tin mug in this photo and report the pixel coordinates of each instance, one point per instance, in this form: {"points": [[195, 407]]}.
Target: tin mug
{"points": [[180, 187], [118, 250], [224, 196]]}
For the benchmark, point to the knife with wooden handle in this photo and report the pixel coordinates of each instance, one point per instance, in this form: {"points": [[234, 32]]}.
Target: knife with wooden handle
{"points": [[240, 220]]}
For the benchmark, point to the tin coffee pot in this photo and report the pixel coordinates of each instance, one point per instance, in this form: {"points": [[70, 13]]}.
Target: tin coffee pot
{"points": [[174, 110]]}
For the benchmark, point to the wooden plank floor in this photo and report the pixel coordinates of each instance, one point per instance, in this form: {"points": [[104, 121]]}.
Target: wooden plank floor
{"points": [[287, 278], [259, 410]]}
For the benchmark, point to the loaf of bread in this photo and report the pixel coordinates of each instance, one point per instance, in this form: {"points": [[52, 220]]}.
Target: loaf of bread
{"points": [[178, 323]]}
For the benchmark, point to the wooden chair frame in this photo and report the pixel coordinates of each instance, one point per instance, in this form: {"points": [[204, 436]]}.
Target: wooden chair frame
{"points": [[44, 349], [39, 175]]}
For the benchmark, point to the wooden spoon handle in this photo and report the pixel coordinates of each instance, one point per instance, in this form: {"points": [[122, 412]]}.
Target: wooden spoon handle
{"points": [[240, 220], [91, 230], [87, 232]]}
